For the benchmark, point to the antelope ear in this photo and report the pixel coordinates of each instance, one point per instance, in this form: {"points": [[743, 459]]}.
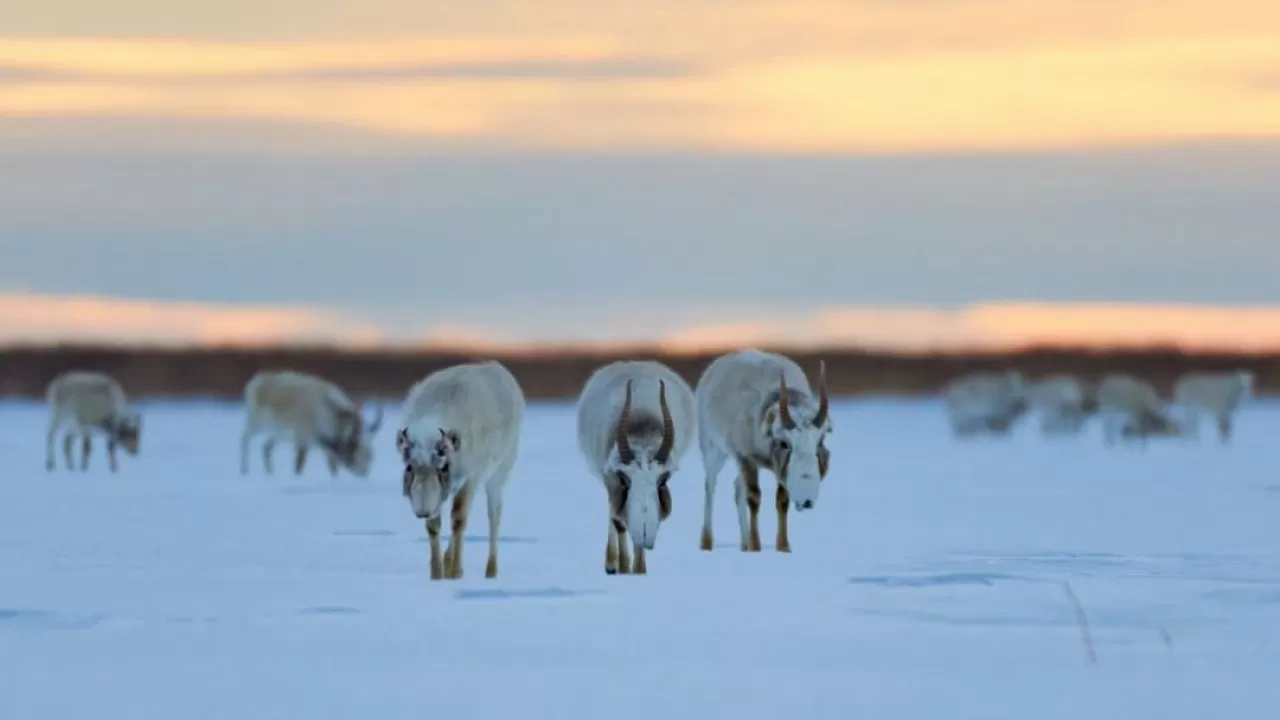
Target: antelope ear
{"points": [[451, 437]]}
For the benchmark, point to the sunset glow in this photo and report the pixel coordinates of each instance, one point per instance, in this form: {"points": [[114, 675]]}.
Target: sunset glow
{"points": [[807, 76], [36, 319], [1053, 156]]}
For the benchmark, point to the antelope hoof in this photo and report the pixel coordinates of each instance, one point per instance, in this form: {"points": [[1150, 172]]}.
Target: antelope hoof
{"points": [[707, 542]]}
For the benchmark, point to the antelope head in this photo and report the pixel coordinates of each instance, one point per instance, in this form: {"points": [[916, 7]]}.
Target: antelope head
{"points": [[429, 470], [797, 442], [638, 474], [126, 429], [353, 442]]}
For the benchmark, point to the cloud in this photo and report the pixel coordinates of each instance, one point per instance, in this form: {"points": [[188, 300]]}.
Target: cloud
{"points": [[751, 26], [820, 77], [31, 318], [561, 70], [159, 58]]}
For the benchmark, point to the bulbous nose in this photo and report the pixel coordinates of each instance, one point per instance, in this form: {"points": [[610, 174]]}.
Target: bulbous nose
{"points": [[646, 536]]}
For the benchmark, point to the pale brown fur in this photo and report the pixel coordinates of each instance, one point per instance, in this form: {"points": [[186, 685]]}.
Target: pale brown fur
{"points": [[433, 536], [460, 435], [643, 428], [90, 401], [749, 482], [747, 400], [1136, 405], [750, 467], [311, 410], [460, 512], [617, 559], [782, 502], [1217, 394], [611, 550], [300, 461], [638, 415], [622, 554]]}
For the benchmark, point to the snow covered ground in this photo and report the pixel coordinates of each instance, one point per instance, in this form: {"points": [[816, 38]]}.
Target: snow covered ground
{"points": [[929, 583]]}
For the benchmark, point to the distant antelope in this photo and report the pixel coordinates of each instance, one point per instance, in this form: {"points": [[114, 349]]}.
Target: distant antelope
{"points": [[310, 411], [1131, 409], [1215, 394], [986, 401], [460, 433], [1065, 403], [758, 409], [635, 423], [90, 402]]}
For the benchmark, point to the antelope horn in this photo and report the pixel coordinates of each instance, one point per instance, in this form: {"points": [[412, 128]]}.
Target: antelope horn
{"points": [[821, 417], [624, 445], [784, 410], [668, 427]]}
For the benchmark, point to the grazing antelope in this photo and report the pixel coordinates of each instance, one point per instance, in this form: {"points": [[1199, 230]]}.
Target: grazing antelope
{"points": [[90, 401], [1216, 394], [1131, 409], [635, 423], [460, 432], [311, 411], [986, 401], [758, 409], [1065, 403]]}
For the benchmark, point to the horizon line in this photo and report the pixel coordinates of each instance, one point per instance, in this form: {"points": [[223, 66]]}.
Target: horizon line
{"points": [[516, 349], [46, 320]]}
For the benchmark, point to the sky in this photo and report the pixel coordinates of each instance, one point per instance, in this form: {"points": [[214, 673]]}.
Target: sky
{"points": [[702, 173]]}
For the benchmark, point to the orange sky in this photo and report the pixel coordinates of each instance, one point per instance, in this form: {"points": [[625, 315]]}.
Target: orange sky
{"points": [[572, 76], [26, 318], [811, 75]]}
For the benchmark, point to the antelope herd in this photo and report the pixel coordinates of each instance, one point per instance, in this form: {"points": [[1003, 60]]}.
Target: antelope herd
{"points": [[460, 433], [1130, 408]]}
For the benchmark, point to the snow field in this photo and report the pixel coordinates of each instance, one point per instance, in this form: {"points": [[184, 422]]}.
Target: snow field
{"points": [[929, 582]]}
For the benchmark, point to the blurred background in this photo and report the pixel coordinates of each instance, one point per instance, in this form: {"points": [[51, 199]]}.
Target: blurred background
{"points": [[373, 189]]}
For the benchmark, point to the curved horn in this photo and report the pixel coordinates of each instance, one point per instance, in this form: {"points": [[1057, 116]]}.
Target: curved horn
{"points": [[668, 427], [821, 418], [784, 409], [624, 445]]}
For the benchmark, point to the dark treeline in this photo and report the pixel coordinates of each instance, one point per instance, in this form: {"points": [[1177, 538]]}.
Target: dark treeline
{"points": [[220, 373]]}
